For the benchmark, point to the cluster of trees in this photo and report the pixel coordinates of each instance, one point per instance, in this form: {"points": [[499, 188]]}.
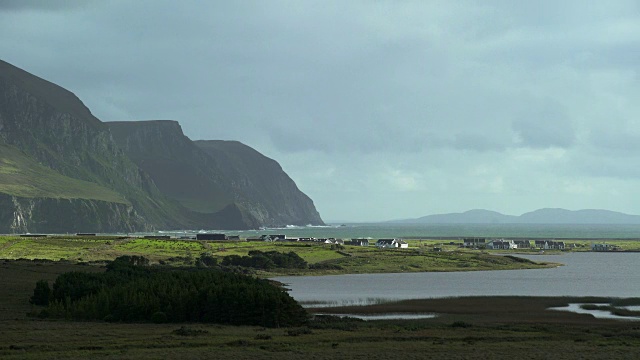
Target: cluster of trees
{"points": [[135, 293], [266, 260]]}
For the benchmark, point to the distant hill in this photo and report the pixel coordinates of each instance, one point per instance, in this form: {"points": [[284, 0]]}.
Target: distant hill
{"points": [[541, 216]]}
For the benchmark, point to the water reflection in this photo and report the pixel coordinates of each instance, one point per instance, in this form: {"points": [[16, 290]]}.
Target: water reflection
{"points": [[403, 316], [600, 314]]}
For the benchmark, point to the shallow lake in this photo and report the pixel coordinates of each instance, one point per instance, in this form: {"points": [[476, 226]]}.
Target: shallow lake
{"points": [[584, 274]]}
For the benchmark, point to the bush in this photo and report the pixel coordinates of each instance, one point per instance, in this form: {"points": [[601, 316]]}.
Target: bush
{"points": [[41, 293], [460, 324], [299, 331], [159, 317], [206, 260], [135, 294], [185, 331]]}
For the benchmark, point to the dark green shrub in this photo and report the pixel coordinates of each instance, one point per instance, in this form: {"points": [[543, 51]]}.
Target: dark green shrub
{"points": [[460, 324], [299, 331], [185, 331], [207, 260], [41, 293], [159, 317], [135, 294]]}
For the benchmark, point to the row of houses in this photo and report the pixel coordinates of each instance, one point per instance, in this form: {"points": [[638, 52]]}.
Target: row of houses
{"points": [[604, 247], [502, 244], [381, 243]]}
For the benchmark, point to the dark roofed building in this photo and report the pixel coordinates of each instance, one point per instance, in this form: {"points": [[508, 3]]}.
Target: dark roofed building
{"points": [[211, 237]]}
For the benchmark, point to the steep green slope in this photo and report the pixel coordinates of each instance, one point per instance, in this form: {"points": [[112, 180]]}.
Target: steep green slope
{"points": [[22, 176], [52, 126]]}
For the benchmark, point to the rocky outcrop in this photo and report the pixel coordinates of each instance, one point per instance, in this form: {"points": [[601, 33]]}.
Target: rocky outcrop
{"points": [[21, 215]]}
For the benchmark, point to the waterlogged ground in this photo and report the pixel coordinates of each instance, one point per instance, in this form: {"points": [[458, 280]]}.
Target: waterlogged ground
{"points": [[482, 328]]}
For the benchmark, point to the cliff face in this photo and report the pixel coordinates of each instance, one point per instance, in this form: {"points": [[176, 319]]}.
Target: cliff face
{"points": [[20, 215], [208, 176], [63, 170], [51, 126], [273, 197]]}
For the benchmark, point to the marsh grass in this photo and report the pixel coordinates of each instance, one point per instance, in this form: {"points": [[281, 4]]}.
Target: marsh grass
{"points": [[494, 328]]}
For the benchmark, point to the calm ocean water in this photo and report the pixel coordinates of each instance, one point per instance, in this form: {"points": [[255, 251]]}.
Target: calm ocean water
{"points": [[415, 231]]}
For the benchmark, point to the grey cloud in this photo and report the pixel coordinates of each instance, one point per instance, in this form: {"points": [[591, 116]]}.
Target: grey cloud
{"points": [[42, 5], [544, 124], [485, 89], [475, 142], [616, 141]]}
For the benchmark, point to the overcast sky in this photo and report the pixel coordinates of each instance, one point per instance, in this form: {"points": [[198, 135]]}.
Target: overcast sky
{"points": [[378, 110]]}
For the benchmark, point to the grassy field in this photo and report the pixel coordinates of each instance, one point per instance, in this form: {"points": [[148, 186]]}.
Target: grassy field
{"points": [[467, 328], [349, 259]]}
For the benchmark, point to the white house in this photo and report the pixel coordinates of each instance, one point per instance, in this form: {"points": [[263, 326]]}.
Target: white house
{"points": [[501, 244], [392, 243]]}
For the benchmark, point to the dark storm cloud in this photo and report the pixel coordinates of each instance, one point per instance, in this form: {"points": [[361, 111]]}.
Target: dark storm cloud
{"points": [[443, 105]]}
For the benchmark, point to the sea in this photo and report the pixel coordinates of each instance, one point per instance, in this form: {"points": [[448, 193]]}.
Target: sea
{"points": [[431, 231]]}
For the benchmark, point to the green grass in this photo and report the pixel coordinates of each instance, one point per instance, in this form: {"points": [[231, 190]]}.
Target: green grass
{"points": [[351, 259], [22, 176]]}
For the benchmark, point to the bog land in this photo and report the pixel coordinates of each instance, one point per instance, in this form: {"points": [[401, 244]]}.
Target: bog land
{"points": [[492, 327], [476, 327]]}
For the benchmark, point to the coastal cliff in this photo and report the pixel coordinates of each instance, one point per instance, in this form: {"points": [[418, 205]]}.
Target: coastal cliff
{"points": [[275, 197], [207, 176], [64, 170]]}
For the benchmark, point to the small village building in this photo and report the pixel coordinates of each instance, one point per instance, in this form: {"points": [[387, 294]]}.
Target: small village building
{"points": [[359, 242], [501, 244], [158, 237], [392, 243], [474, 242], [522, 244], [211, 237], [603, 247], [549, 244], [272, 237]]}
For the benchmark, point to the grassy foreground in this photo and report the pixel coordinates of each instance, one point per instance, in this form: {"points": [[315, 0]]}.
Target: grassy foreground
{"points": [[349, 259], [482, 328]]}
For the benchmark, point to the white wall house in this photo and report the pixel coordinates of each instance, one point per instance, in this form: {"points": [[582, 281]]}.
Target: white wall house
{"points": [[392, 243], [501, 244]]}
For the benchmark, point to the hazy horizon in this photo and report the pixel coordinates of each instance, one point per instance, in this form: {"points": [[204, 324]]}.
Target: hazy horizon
{"points": [[378, 110]]}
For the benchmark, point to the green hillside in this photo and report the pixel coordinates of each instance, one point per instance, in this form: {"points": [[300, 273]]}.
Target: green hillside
{"points": [[22, 176]]}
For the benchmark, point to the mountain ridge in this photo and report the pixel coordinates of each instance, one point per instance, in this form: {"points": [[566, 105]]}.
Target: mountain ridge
{"points": [[539, 216]]}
